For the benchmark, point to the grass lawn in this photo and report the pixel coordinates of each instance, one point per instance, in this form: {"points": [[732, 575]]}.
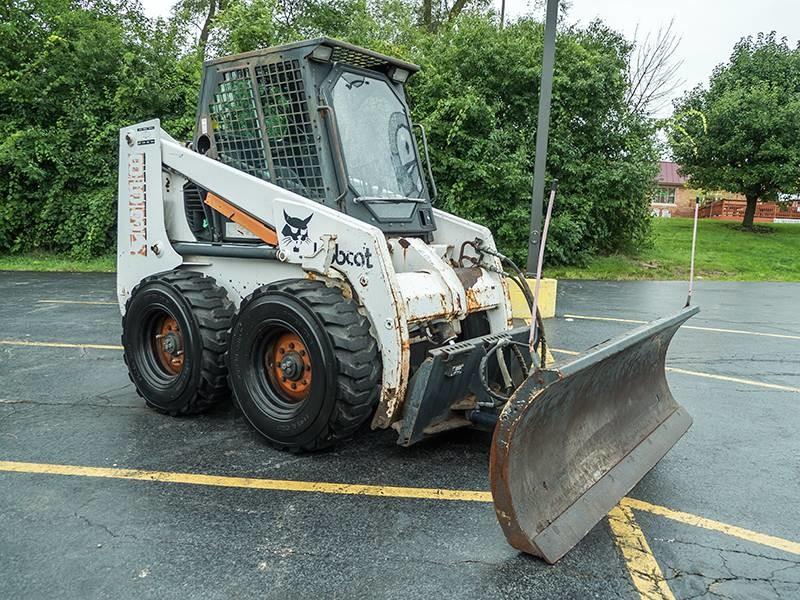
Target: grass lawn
{"points": [[54, 262], [723, 252]]}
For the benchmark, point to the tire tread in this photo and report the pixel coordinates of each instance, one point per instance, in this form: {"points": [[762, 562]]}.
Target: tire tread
{"points": [[213, 312], [358, 360]]}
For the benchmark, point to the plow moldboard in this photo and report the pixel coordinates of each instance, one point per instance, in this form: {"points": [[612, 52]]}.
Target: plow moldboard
{"points": [[573, 440]]}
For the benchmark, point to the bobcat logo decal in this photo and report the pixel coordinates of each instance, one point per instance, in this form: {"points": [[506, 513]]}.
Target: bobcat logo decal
{"points": [[295, 232]]}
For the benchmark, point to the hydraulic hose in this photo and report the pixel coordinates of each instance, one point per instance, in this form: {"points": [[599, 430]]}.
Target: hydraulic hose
{"points": [[518, 277]]}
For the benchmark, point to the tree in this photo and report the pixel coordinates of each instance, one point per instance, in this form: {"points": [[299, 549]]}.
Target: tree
{"points": [[742, 132], [653, 69], [476, 96], [200, 15], [73, 74], [435, 13]]}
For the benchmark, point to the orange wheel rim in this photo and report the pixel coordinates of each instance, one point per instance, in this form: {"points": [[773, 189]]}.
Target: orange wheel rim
{"points": [[168, 344], [289, 365]]}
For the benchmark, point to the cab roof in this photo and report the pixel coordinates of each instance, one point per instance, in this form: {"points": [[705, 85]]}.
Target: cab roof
{"points": [[341, 52]]}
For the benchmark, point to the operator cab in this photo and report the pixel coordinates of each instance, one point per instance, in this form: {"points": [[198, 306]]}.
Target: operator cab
{"points": [[322, 118]]}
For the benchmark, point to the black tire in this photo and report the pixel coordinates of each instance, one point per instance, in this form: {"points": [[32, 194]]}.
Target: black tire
{"points": [[201, 319], [339, 392]]}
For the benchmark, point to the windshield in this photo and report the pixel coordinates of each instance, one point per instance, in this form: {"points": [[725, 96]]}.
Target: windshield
{"points": [[376, 138]]}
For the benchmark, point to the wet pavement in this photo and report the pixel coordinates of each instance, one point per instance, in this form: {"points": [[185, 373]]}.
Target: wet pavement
{"points": [[87, 537]]}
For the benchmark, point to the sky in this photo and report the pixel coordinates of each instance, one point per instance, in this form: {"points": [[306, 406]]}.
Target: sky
{"points": [[708, 29]]}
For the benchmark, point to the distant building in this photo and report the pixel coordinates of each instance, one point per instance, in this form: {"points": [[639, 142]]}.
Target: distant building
{"points": [[675, 198]]}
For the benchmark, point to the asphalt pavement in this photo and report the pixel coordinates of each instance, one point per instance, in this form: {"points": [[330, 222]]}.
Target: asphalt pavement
{"points": [[65, 400]]}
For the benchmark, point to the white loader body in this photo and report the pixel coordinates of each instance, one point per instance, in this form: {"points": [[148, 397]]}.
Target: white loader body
{"points": [[401, 284]]}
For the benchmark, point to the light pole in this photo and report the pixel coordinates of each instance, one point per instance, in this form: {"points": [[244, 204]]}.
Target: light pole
{"points": [[542, 131]]}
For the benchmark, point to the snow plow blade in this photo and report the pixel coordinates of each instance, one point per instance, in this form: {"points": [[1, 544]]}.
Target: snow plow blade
{"points": [[575, 439]]}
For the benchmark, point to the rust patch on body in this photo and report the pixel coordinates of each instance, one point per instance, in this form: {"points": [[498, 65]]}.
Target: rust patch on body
{"points": [[473, 303], [469, 276]]}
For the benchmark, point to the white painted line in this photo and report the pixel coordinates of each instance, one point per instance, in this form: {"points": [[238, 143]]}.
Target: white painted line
{"points": [[753, 382], [593, 318], [785, 336], [103, 302], [771, 386], [59, 345]]}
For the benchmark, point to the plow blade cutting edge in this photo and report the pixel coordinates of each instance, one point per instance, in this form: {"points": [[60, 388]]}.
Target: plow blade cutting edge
{"points": [[574, 439]]}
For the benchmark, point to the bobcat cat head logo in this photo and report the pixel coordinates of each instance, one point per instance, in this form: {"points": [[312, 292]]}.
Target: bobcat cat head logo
{"points": [[295, 232]]}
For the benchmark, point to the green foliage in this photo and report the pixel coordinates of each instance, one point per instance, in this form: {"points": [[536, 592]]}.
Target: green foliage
{"points": [[724, 252], [74, 71], [477, 94], [72, 75], [385, 26], [742, 132]]}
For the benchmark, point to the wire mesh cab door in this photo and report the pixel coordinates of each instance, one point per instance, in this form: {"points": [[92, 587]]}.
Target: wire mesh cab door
{"points": [[381, 174]]}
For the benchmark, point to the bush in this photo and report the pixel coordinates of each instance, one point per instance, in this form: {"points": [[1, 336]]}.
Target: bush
{"points": [[477, 95], [70, 82], [75, 72]]}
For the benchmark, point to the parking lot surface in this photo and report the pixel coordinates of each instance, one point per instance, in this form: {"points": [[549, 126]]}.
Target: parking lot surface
{"points": [[102, 497]]}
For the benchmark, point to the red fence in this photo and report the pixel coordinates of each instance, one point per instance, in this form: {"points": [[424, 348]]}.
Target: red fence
{"points": [[734, 210]]}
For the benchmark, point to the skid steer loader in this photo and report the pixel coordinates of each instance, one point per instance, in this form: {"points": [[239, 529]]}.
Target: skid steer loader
{"points": [[291, 254]]}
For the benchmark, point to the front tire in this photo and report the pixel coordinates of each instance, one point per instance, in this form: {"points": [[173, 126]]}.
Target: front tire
{"points": [[174, 338], [304, 368]]}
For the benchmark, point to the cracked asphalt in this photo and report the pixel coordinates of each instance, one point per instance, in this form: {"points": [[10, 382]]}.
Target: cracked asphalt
{"points": [[82, 537]]}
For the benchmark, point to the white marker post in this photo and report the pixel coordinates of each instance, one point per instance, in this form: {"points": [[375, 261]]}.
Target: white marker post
{"points": [[539, 263], [694, 245]]}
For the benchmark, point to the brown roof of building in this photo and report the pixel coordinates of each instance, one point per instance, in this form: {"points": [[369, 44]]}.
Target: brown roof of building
{"points": [[668, 174]]}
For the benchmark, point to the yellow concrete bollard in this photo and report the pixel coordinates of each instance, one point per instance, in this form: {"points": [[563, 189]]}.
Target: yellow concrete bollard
{"points": [[547, 299], [547, 303]]}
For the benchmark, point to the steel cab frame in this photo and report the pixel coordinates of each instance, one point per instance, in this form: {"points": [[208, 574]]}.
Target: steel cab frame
{"points": [[290, 115]]}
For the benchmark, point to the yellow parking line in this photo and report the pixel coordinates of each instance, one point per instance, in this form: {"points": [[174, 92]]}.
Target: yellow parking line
{"points": [[102, 302], [251, 483], [732, 530], [639, 560], [367, 490], [785, 336], [59, 345], [562, 351]]}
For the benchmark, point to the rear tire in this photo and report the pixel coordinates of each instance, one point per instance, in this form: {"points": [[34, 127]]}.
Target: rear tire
{"points": [[304, 368], [174, 337]]}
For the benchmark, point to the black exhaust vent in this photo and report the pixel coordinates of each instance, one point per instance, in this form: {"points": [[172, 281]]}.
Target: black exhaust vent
{"points": [[352, 56], [196, 215]]}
